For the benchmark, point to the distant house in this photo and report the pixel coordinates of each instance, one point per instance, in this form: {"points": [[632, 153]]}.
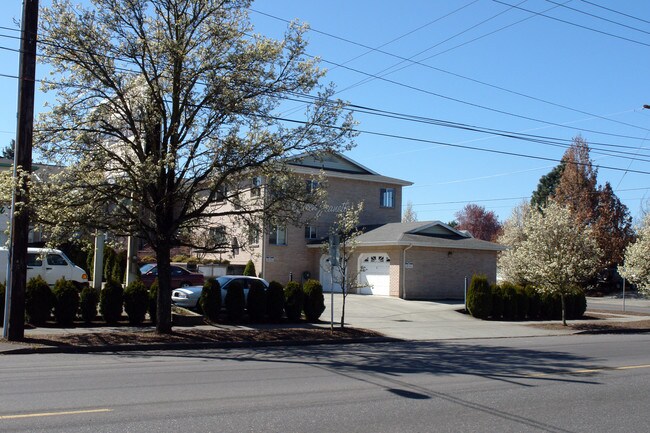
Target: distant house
{"points": [[419, 260]]}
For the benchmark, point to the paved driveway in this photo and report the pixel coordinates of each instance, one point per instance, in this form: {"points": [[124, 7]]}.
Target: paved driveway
{"points": [[421, 320]]}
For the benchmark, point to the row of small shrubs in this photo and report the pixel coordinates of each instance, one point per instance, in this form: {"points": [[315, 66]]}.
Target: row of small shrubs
{"points": [[507, 301], [262, 305], [66, 302]]}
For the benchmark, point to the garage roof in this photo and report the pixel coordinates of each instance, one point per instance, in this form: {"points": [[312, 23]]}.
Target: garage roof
{"points": [[433, 234]]}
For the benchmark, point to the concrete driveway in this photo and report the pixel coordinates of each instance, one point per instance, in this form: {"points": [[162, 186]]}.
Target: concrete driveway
{"points": [[421, 320]]}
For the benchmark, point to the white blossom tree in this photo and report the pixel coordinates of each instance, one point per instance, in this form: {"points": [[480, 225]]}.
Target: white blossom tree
{"points": [[346, 230], [511, 237], [637, 259], [556, 255], [165, 110]]}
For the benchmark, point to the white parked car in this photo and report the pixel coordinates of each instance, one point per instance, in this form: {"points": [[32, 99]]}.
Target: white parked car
{"points": [[188, 297], [50, 264]]}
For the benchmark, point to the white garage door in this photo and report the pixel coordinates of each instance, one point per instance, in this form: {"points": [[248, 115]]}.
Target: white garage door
{"points": [[375, 275]]}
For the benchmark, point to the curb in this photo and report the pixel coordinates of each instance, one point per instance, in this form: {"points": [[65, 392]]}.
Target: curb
{"points": [[189, 346]]}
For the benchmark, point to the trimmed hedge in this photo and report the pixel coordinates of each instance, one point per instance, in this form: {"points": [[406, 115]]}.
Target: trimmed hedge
{"points": [[88, 301], [38, 301], [256, 303], [66, 302], [314, 302], [293, 296], [136, 300], [235, 302], [275, 301], [512, 302], [210, 300], [479, 297], [111, 300], [249, 270]]}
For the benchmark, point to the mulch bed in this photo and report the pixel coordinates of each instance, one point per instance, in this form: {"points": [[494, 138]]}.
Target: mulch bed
{"points": [[200, 336]]}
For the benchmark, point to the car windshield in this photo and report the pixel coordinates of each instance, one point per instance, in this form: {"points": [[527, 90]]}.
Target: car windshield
{"points": [[223, 280], [147, 267]]}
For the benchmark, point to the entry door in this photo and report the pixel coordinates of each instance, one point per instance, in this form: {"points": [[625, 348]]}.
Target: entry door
{"points": [[375, 274]]}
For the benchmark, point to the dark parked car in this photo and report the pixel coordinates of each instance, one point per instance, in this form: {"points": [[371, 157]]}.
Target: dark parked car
{"points": [[181, 277]]}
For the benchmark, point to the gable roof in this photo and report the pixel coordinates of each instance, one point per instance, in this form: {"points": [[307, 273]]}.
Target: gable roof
{"points": [[433, 234], [335, 164]]}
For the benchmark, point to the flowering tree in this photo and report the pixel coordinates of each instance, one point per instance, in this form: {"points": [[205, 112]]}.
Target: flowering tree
{"points": [[637, 259], [480, 223], [410, 215], [556, 255], [346, 230], [165, 110], [512, 236]]}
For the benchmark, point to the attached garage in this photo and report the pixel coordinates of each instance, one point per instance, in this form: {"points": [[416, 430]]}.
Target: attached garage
{"points": [[374, 274]]}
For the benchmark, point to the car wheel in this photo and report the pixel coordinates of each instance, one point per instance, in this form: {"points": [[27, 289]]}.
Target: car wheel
{"points": [[185, 284]]}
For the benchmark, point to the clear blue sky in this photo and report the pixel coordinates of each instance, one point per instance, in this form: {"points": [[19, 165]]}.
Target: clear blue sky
{"points": [[547, 70]]}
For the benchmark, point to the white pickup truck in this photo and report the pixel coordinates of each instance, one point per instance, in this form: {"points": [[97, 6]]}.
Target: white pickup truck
{"points": [[50, 264]]}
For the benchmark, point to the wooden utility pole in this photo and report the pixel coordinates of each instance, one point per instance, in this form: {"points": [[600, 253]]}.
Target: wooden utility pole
{"points": [[15, 325]]}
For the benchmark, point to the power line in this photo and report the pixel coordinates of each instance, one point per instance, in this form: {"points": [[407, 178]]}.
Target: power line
{"points": [[616, 12], [599, 17], [574, 24]]}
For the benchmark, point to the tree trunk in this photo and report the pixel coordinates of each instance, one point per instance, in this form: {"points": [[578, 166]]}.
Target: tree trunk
{"points": [[164, 300], [344, 292], [563, 309]]}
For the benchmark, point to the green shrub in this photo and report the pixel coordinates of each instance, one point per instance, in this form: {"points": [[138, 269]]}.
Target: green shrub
{"points": [[509, 295], [210, 300], [38, 301], [256, 303], [534, 303], [293, 296], [66, 302], [275, 301], [523, 303], [551, 306], [314, 302], [249, 270], [109, 261], [235, 302], [89, 300], [497, 302], [153, 301], [111, 300], [118, 270], [576, 304], [3, 291], [136, 300], [180, 258], [479, 297]]}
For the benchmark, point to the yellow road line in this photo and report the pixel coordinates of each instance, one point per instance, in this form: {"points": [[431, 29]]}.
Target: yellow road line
{"points": [[36, 415], [590, 370]]}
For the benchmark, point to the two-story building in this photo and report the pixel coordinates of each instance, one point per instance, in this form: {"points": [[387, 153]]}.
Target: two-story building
{"points": [[421, 260]]}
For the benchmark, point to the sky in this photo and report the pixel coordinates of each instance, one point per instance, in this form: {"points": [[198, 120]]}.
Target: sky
{"points": [[437, 78]]}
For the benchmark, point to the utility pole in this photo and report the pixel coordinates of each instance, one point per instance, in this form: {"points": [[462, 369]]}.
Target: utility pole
{"points": [[14, 328]]}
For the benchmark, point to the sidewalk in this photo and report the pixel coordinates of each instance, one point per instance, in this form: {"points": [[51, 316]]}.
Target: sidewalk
{"points": [[394, 318]]}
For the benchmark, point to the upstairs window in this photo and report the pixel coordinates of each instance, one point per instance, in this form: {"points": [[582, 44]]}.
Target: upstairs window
{"points": [[256, 186], [253, 236], [310, 232], [217, 236], [311, 186], [387, 197], [278, 235]]}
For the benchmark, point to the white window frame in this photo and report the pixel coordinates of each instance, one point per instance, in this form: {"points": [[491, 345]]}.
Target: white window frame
{"points": [[278, 235], [387, 198], [311, 232]]}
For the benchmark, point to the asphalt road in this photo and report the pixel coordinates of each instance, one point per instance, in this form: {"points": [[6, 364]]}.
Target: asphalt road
{"points": [[598, 383]]}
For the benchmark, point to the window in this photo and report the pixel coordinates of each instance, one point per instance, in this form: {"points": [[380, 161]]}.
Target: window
{"points": [[256, 186], [56, 260], [34, 260], [217, 236], [311, 186], [387, 197], [222, 193], [253, 236], [278, 235], [311, 232]]}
